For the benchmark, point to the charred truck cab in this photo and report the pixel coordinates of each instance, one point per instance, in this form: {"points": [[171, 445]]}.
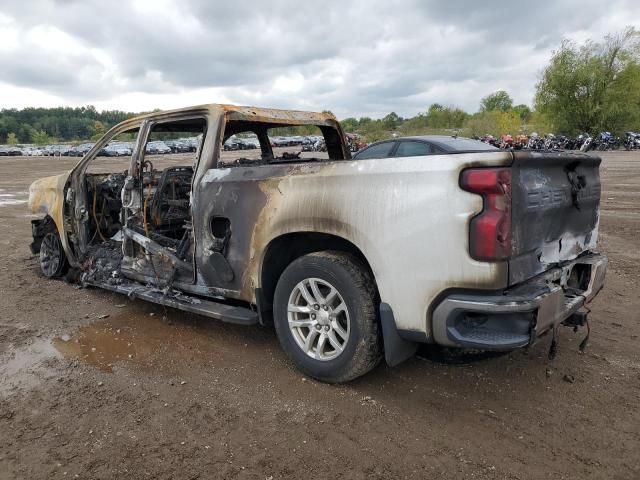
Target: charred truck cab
{"points": [[350, 260]]}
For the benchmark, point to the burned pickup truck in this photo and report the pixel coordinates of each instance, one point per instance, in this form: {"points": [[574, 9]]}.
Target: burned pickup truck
{"points": [[351, 260]]}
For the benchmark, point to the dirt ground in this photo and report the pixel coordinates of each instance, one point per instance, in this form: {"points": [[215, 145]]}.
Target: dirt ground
{"points": [[93, 385]]}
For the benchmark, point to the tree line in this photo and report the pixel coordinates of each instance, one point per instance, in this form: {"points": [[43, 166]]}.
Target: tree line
{"points": [[497, 114], [62, 124], [589, 87]]}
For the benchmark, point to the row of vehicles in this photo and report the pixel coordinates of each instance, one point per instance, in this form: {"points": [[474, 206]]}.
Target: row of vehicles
{"points": [[315, 143], [10, 151], [584, 142], [113, 149], [308, 143], [239, 143]]}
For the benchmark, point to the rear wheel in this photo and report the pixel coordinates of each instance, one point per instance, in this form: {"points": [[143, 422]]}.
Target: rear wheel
{"points": [[326, 318], [53, 261]]}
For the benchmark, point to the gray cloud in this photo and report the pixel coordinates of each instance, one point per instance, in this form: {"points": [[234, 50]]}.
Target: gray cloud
{"points": [[355, 58]]}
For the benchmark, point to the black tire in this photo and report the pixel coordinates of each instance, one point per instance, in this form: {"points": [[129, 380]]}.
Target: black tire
{"points": [[53, 261], [363, 347]]}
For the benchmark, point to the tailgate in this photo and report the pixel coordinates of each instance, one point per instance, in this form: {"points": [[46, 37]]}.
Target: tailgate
{"points": [[555, 210]]}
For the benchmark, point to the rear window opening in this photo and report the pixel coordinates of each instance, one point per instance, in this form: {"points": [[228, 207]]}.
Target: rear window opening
{"points": [[254, 143]]}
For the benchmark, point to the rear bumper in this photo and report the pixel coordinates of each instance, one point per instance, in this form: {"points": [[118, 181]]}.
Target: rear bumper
{"points": [[520, 315]]}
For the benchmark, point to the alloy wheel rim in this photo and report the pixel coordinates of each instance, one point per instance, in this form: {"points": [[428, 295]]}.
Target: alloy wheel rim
{"points": [[318, 319], [50, 254]]}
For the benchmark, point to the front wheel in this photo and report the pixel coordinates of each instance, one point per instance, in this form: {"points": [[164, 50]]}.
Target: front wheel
{"points": [[326, 317], [53, 261]]}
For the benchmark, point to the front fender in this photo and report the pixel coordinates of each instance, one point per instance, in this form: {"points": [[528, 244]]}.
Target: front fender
{"points": [[46, 197]]}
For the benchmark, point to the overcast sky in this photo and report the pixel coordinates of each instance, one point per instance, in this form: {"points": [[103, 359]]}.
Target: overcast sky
{"points": [[357, 58]]}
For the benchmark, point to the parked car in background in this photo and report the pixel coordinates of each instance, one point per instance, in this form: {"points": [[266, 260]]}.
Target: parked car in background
{"points": [[35, 152], [251, 143], [14, 151], [178, 146], [279, 141], [60, 150], [422, 145], [238, 143], [27, 151], [117, 150], [192, 142], [157, 147], [232, 143], [80, 150], [11, 151]]}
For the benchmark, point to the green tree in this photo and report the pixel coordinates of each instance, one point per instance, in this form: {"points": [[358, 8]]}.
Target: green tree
{"points": [[374, 131], [97, 130], [349, 124], [25, 131], [440, 117], [40, 137], [435, 117], [508, 122], [391, 121], [523, 111], [12, 139], [414, 125], [483, 123], [592, 87], [539, 123], [496, 101], [62, 122]]}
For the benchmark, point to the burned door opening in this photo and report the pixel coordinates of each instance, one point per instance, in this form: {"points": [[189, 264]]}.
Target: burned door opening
{"points": [[93, 206], [151, 254], [158, 233]]}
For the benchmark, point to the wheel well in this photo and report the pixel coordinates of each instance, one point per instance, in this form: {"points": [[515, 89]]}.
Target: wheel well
{"points": [[286, 248], [39, 228], [49, 224]]}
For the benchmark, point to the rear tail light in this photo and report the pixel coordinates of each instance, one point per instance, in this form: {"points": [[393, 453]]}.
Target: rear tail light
{"points": [[490, 230]]}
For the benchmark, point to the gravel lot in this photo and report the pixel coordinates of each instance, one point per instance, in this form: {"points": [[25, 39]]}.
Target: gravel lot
{"points": [[93, 385]]}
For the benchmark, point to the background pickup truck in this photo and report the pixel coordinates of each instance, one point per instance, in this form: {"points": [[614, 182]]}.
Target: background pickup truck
{"points": [[458, 244]]}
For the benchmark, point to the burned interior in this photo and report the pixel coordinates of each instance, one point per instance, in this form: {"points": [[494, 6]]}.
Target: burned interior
{"points": [[131, 220], [139, 227]]}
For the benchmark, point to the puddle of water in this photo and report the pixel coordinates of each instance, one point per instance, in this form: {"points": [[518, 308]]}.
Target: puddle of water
{"points": [[135, 339], [98, 348], [147, 341], [24, 367]]}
